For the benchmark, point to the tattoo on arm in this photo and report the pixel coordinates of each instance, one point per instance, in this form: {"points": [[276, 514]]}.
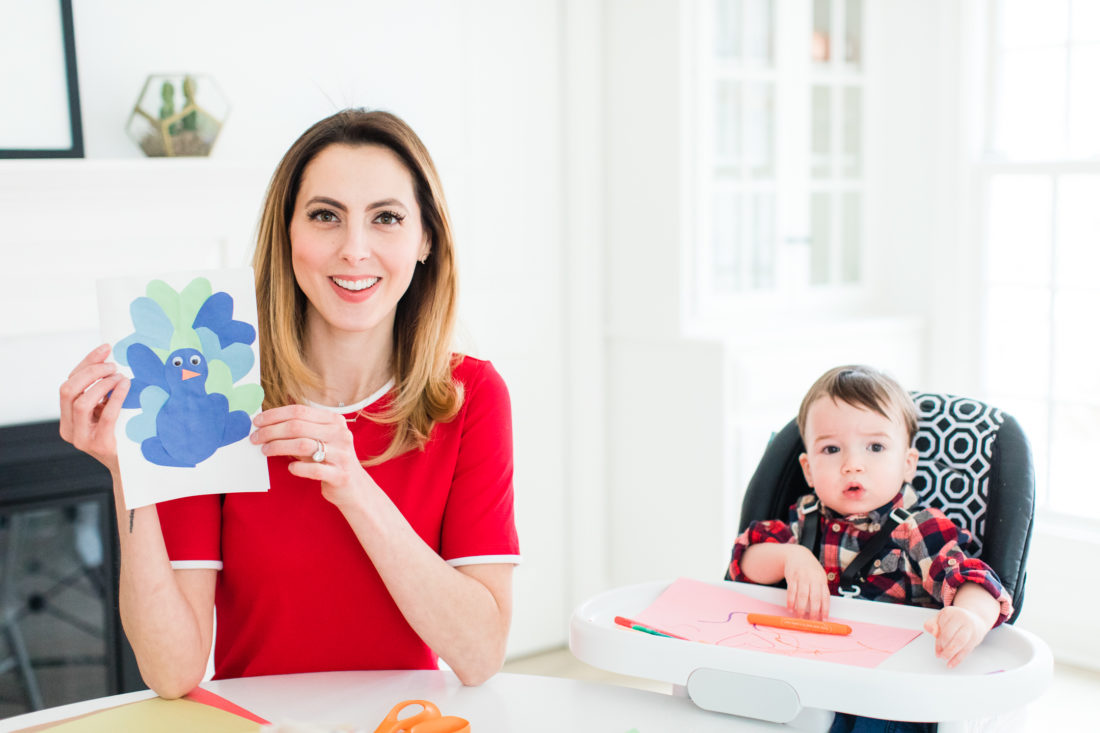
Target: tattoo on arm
{"points": [[131, 521]]}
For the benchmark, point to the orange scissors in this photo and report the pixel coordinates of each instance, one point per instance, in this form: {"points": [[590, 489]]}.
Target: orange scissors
{"points": [[427, 720]]}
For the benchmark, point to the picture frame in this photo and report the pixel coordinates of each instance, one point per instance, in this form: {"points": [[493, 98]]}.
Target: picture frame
{"points": [[42, 100]]}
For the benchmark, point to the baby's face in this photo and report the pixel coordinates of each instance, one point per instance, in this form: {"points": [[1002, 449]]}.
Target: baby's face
{"points": [[856, 460]]}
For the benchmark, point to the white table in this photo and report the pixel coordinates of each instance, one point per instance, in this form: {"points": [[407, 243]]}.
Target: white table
{"points": [[508, 703]]}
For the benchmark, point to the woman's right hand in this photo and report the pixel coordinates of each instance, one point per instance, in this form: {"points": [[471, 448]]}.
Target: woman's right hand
{"points": [[91, 399]]}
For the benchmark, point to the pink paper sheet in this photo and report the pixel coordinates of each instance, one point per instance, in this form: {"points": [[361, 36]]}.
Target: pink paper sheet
{"points": [[717, 615]]}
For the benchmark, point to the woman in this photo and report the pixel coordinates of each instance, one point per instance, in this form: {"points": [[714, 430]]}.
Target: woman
{"points": [[387, 536]]}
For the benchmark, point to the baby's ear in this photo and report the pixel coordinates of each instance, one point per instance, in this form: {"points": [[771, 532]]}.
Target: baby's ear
{"points": [[911, 457], [804, 461]]}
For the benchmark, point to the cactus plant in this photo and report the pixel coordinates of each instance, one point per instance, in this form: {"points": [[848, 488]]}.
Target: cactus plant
{"points": [[190, 120], [163, 124], [168, 104]]}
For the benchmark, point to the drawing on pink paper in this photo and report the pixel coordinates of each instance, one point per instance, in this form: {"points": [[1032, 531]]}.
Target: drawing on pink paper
{"points": [[716, 615]]}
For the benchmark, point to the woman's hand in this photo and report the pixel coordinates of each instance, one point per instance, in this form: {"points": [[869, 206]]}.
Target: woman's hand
{"points": [[807, 586], [91, 399], [294, 430]]}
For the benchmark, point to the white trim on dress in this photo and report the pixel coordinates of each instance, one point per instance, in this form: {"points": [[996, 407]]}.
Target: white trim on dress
{"points": [[485, 560], [196, 564], [345, 409]]}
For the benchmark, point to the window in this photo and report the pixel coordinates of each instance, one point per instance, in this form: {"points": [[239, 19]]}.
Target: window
{"points": [[1040, 181], [781, 154]]}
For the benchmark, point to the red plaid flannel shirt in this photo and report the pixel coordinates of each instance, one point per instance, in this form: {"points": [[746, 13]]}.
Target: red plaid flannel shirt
{"points": [[923, 565]]}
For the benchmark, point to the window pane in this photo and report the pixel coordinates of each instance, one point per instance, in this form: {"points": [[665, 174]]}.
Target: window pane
{"points": [[853, 31], [1019, 224], [759, 124], [820, 132], [851, 163], [1075, 433], [1028, 23], [759, 22], [1076, 348], [727, 242], [761, 234], [1029, 121], [727, 128], [727, 29], [1084, 105], [1078, 260], [851, 234], [1086, 21], [1017, 341], [820, 237], [743, 250], [822, 32]]}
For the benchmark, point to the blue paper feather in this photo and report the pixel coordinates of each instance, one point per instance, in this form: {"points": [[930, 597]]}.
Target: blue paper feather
{"points": [[217, 315]]}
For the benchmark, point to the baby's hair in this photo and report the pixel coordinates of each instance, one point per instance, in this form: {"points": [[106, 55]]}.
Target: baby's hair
{"points": [[862, 386]]}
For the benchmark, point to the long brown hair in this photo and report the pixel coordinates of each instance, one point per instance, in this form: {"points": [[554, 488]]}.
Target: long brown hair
{"points": [[424, 322]]}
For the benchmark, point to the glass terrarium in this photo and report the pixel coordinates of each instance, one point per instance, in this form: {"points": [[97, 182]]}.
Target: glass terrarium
{"points": [[178, 114]]}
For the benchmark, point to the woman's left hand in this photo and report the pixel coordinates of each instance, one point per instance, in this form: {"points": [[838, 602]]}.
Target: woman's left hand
{"points": [[294, 430]]}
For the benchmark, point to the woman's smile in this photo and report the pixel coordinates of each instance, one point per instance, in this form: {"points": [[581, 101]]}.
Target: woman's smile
{"points": [[355, 290]]}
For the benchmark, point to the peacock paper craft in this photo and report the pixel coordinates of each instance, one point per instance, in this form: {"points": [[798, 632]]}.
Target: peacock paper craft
{"points": [[186, 352], [189, 342]]}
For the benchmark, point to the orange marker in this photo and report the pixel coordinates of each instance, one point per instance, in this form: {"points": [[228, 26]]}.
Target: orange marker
{"points": [[800, 624]]}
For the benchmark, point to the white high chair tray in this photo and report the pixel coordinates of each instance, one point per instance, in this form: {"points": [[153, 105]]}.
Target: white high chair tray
{"points": [[1009, 669]]}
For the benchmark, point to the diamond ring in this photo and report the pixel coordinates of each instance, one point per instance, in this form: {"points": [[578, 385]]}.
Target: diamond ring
{"points": [[319, 454]]}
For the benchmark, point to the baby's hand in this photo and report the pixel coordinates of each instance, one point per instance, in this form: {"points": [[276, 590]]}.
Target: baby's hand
{"points": [[957, 631], [807, 587]]}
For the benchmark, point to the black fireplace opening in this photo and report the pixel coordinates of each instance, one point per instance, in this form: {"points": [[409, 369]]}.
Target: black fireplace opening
{"points": [[61, 638]]}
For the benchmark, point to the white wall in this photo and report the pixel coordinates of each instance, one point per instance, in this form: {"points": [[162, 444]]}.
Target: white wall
{"points": [[665, 428]]}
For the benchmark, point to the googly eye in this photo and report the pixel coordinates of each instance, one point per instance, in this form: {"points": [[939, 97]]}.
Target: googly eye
{"points": [[195, 360], [177, 361]]}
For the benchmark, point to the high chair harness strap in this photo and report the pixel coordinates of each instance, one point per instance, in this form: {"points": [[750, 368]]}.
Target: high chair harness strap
{"points": [[852, 577]]}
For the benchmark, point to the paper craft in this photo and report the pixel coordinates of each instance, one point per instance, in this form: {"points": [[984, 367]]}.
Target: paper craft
{"points": [[206, 697], [188, 342], [717, 615], [164, 716]]}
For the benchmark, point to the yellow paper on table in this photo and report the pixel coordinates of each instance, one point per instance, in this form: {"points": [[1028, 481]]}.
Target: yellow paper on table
{"points": [[162, 716]]}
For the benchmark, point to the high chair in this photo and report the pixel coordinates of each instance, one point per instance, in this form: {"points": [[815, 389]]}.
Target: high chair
{"points": [[975, 465]]}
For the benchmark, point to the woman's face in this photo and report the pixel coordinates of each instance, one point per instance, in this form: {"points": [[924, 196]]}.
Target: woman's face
{"points": [[355, 236]]}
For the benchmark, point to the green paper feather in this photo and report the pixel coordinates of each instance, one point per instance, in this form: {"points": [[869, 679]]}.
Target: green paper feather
{"points": [[191, 299], [247, 397]]}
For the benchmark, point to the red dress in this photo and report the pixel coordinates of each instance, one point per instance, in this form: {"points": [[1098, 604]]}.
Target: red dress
{"points": [[296, 592]]}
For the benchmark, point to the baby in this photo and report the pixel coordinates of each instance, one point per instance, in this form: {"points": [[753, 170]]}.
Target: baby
{"points": [[858, 425]]}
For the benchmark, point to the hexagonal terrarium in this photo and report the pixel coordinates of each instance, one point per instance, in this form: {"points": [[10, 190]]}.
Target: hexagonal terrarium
{"points": [[177, 114]]}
